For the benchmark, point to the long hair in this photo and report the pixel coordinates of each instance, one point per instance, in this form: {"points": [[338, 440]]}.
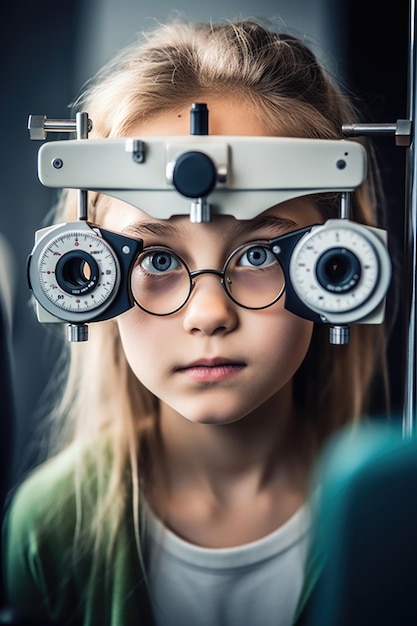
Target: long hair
{"points": [[293, 95]]}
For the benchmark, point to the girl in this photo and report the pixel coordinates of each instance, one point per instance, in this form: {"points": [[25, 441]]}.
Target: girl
{"points": [[178, 492]]}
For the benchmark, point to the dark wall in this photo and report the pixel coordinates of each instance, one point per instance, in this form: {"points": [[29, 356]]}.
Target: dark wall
{"points": [[377, 66], [37, 44]]}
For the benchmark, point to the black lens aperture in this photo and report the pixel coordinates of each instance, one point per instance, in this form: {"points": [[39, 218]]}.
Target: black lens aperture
{"points": [[338, 270], [77, 272]]}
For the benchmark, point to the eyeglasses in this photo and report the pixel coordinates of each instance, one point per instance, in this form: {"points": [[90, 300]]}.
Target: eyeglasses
{"points": [[162, 283]]}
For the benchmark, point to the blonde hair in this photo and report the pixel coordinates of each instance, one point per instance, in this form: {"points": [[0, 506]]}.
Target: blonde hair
{"points": [[177, 64]]}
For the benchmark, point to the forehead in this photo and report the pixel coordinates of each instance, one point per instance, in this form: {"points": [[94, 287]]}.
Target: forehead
{"points": [[227, 116], [290, 215]]}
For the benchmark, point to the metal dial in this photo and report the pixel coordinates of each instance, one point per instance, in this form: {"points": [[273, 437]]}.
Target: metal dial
{"points": [[74, 273], [336, 269]]}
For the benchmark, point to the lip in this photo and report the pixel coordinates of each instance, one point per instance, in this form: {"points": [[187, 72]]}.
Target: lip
{"points": [[212, 370]]}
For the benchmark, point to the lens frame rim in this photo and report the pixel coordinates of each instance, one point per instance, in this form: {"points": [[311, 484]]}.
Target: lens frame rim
{"points": [[221, 274]]}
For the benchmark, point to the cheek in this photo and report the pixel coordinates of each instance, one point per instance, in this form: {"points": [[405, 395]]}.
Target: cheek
{"points": [[283, 341], [143, 341]]}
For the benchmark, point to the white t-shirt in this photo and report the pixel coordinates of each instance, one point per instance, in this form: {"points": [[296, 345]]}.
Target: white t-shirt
{"points": [[256, 584]]}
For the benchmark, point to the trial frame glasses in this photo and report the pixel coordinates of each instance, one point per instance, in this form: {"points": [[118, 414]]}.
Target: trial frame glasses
{"points": [[162, 283]]}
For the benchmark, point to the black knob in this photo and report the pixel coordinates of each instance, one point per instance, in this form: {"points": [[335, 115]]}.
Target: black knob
{"points": [[199, 119], [194, 175]]}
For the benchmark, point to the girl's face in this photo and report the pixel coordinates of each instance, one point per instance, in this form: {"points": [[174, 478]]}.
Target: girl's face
{"points": [[212, 361]]}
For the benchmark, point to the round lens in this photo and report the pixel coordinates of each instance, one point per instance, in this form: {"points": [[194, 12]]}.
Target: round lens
{"points": [[338, 270], [160, 281], [253, 277], [77, 272]]}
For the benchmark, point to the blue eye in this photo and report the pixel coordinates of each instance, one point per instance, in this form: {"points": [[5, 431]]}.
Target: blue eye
{"points": [[257, 256], [159, 261]]}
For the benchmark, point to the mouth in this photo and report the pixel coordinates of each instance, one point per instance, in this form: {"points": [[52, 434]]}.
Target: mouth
{"points": [[212, 370]]}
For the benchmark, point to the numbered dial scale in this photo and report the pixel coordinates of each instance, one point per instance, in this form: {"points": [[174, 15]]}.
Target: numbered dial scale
{"points": [[337, 272], [79, 273]]}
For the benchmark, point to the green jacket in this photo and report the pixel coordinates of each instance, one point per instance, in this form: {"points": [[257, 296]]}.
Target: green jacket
{"points": [[44, 578]]}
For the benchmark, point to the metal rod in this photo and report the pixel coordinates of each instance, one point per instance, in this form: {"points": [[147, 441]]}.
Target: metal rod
{"points": [[410, 247], [82, 127], [356, 130], [345, 205], [199, 119], [401, 130], [59, 126]]}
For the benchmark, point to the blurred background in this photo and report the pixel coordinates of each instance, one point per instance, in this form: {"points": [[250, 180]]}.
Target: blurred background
{"points": [[49, 49]]}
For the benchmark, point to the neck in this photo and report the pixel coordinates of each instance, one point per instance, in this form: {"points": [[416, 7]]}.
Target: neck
{"points": [[225, 485], [254, 451]]}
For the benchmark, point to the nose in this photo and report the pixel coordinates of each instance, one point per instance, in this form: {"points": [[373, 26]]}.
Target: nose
{"points": [[209, 310]]}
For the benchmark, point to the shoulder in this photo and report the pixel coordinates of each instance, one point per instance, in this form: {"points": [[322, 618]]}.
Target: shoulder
{"points": [[47, 552], [54, 505], [42, 512], [49, 500], [47, 490], [38, 529]]}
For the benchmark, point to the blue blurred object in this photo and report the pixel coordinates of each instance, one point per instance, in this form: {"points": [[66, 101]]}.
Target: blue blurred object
{"points": [[366, 530]]}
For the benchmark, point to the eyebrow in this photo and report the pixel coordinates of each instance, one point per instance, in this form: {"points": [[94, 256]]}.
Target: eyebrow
{"points": [[243, 227], [152, 228], [266, 221]]}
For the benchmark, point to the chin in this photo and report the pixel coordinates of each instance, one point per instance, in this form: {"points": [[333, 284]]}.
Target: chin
{"points": [[214, 419]]}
